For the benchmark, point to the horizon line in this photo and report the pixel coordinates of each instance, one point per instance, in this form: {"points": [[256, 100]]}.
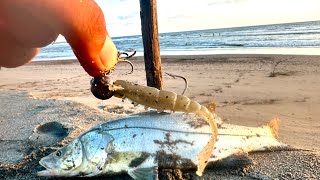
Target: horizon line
{"points": [[224, 28]]}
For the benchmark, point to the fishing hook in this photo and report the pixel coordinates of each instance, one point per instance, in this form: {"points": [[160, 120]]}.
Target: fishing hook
{"points": [[185, 81]]}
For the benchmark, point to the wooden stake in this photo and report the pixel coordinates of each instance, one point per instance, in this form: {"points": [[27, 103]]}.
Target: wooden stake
{"points": [[149, 28]]}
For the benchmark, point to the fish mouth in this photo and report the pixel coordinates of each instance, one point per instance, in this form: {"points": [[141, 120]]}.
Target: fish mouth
{"points": [[43, 164], [47, 172]]}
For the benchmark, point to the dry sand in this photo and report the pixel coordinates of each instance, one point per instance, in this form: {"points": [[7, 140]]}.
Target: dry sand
{"points": [[240, 85]]}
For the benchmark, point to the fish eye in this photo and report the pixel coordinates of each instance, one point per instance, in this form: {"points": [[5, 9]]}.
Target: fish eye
{"points": [[58, 153]]}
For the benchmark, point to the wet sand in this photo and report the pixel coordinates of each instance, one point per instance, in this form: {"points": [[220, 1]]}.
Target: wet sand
{"points": [[248, 90]]}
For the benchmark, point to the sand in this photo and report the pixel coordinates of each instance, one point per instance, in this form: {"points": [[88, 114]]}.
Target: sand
{"points": [[248, 90]]}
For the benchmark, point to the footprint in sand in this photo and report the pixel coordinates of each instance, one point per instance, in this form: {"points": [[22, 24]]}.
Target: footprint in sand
{"points": [[49, 133]]}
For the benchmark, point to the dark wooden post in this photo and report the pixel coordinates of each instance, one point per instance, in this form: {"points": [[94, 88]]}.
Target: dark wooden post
{"points": [[149, 28]]}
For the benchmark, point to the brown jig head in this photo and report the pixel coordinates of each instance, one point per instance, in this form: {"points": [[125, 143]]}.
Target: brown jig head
{"points": [[99, 88]]}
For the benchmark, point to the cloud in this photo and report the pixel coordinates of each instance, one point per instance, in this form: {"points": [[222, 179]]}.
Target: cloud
{"points": [[178, 16], [123, 16], [128, 16], [221, 2]]}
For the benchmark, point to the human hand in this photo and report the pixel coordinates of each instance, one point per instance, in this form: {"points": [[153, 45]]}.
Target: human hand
{"points": [[26, 25]]}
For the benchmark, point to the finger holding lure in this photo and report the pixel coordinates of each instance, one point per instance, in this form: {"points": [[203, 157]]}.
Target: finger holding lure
{"points": [[161, 100]]}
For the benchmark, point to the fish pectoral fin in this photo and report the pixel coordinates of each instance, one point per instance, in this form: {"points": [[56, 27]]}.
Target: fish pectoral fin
{"points": [[150, 173]]}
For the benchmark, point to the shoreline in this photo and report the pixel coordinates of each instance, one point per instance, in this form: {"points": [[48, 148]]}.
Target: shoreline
{"points": [[307, 51], [167, 58]]}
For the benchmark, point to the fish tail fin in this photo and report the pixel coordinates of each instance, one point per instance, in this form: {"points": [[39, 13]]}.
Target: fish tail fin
{"points": [[273, 125]]}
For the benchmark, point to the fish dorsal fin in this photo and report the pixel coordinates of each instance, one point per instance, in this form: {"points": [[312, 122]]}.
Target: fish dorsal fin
{"points": [[150, 173], [96, 143]]}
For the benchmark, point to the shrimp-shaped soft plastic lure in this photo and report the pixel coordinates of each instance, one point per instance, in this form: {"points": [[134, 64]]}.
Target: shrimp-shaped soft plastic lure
{"points": [[161, 100]]}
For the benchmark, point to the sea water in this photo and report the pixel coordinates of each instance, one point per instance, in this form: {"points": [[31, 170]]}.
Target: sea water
{"points": [[291, 38]]}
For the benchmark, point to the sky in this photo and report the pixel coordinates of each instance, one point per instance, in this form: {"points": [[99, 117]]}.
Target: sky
{"points": [[123, 16]]}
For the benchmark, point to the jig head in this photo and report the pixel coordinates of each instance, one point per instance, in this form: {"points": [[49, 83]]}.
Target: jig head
{"points": [[99, 87]]}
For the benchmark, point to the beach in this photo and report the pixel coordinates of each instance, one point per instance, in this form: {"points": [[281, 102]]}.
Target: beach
{"points": [[248, 90]]}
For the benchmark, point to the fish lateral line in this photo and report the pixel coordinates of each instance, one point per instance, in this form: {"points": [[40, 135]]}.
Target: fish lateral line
{"points": [[153, 128], [183, 132]]}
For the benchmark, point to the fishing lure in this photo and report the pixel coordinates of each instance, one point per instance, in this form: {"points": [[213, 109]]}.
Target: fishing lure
{"points": [[161, 100]]}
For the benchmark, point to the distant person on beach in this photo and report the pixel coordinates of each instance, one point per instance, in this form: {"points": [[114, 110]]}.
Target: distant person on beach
{"points": [[27, 25]]}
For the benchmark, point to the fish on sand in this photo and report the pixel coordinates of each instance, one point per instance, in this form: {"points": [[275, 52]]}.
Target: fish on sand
{"points": [[140, 144]]}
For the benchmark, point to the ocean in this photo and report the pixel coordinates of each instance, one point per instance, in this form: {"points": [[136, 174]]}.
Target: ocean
{"points": [[290, 38]]}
